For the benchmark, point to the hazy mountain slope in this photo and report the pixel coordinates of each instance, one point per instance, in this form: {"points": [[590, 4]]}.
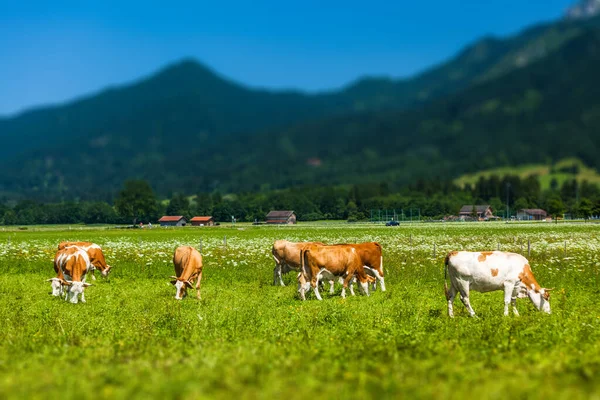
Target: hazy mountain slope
{"points": [[547, 110], [486, 59], [188, 129]]}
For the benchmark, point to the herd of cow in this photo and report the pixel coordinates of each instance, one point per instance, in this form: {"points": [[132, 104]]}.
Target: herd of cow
{"points": [[316, 263]]}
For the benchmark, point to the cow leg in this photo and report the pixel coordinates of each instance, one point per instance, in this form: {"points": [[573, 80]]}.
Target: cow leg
{"points": [[514, 306], [277, 273], [83, 296], [315, 284], [352, 285], [316, 290], [198, 285], [93, 276], [508, 291], [331, 288], [513, 299], [463, 289], [451, 296]]}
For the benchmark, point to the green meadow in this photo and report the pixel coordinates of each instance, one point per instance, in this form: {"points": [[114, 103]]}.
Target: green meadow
{"points": [[248, 339]]}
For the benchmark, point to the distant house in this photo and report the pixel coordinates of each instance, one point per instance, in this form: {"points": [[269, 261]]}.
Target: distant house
{"points": [[172, 220], [531, 214], [281, 217], [202, 221], [484, 212]]}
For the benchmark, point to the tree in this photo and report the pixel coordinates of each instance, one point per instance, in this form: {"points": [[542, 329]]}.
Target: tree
{"points": [[521, 203], [10, 218], [555, 206], [179, 205], [585, 208], [98, 213], [204, 204], [136, 202]]}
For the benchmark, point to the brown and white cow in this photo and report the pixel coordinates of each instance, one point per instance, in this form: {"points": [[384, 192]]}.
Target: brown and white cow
{"points": [[330, 262], [188, 267], [488, 271], [94, 252], [372, 259], [287, 258], [71, 265], [371, 256]]}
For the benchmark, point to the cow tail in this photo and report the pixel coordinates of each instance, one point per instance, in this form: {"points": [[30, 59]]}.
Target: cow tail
{"points": [[446, 260]]}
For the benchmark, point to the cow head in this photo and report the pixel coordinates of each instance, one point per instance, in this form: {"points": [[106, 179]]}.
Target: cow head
{"points": [[540, 298], [75, 289], [181, 286], [106, 271], [57, 286]]}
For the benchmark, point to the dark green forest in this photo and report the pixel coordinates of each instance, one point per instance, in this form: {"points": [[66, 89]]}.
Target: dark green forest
{"points": [[429, 200]]}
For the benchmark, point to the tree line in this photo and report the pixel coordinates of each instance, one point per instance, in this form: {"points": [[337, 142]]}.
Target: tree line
{"points": [[434, 199]]}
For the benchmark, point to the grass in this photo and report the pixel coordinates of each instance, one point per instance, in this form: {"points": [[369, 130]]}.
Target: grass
{"points": [[546, 173], [248, 339]]}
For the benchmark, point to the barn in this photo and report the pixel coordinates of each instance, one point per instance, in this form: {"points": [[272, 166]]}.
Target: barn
{"points": [[202, 221], [484, 212], [172, 220], [531, 214], [281, 217]]}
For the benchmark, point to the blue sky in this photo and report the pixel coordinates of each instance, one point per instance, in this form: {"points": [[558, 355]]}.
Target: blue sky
{"points": [[54, 51]]}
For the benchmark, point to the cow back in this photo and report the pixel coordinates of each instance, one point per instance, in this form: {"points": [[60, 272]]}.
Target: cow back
{"points": [[72, 262], [187, 262]]}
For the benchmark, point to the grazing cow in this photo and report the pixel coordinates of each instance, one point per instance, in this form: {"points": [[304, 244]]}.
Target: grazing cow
{"points": [[372, 259], [493, 270], [71, 265], [330, 262], [188, 266], [287, 258], [94, 252]]}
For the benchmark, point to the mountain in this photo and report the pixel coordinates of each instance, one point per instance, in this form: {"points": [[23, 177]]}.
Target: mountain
{"points": [[548, 110], [188, 129], [583, 9]]}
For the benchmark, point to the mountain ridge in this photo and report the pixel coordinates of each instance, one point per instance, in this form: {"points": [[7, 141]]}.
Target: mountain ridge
{"points": [[187, 111]]}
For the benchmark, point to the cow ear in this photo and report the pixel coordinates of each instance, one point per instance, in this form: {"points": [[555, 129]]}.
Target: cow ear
{"points": [[173, 282], [188, 284], [85, 284]]}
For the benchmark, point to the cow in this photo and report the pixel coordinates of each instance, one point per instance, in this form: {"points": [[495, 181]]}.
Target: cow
{"points": [[330, 262], [94, 252], [372, 260], [488, 271], [71, 265], [188, 267], [287, 258]]}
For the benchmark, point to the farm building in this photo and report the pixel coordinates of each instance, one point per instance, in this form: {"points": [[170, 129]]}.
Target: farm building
{"points": [[531, 214], [202, 221], [172, 220], [281, 217], [484, 212]]}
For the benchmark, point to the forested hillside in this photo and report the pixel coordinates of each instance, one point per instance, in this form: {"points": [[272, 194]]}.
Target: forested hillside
{"points": [[529, 98]]}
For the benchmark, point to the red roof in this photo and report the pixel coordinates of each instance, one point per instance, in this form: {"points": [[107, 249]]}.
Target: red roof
{"points": [[170, 218], [201, 219]]}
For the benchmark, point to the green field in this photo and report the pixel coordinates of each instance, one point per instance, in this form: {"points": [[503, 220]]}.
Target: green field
{"points": [[545, 173], [248, 339]]}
